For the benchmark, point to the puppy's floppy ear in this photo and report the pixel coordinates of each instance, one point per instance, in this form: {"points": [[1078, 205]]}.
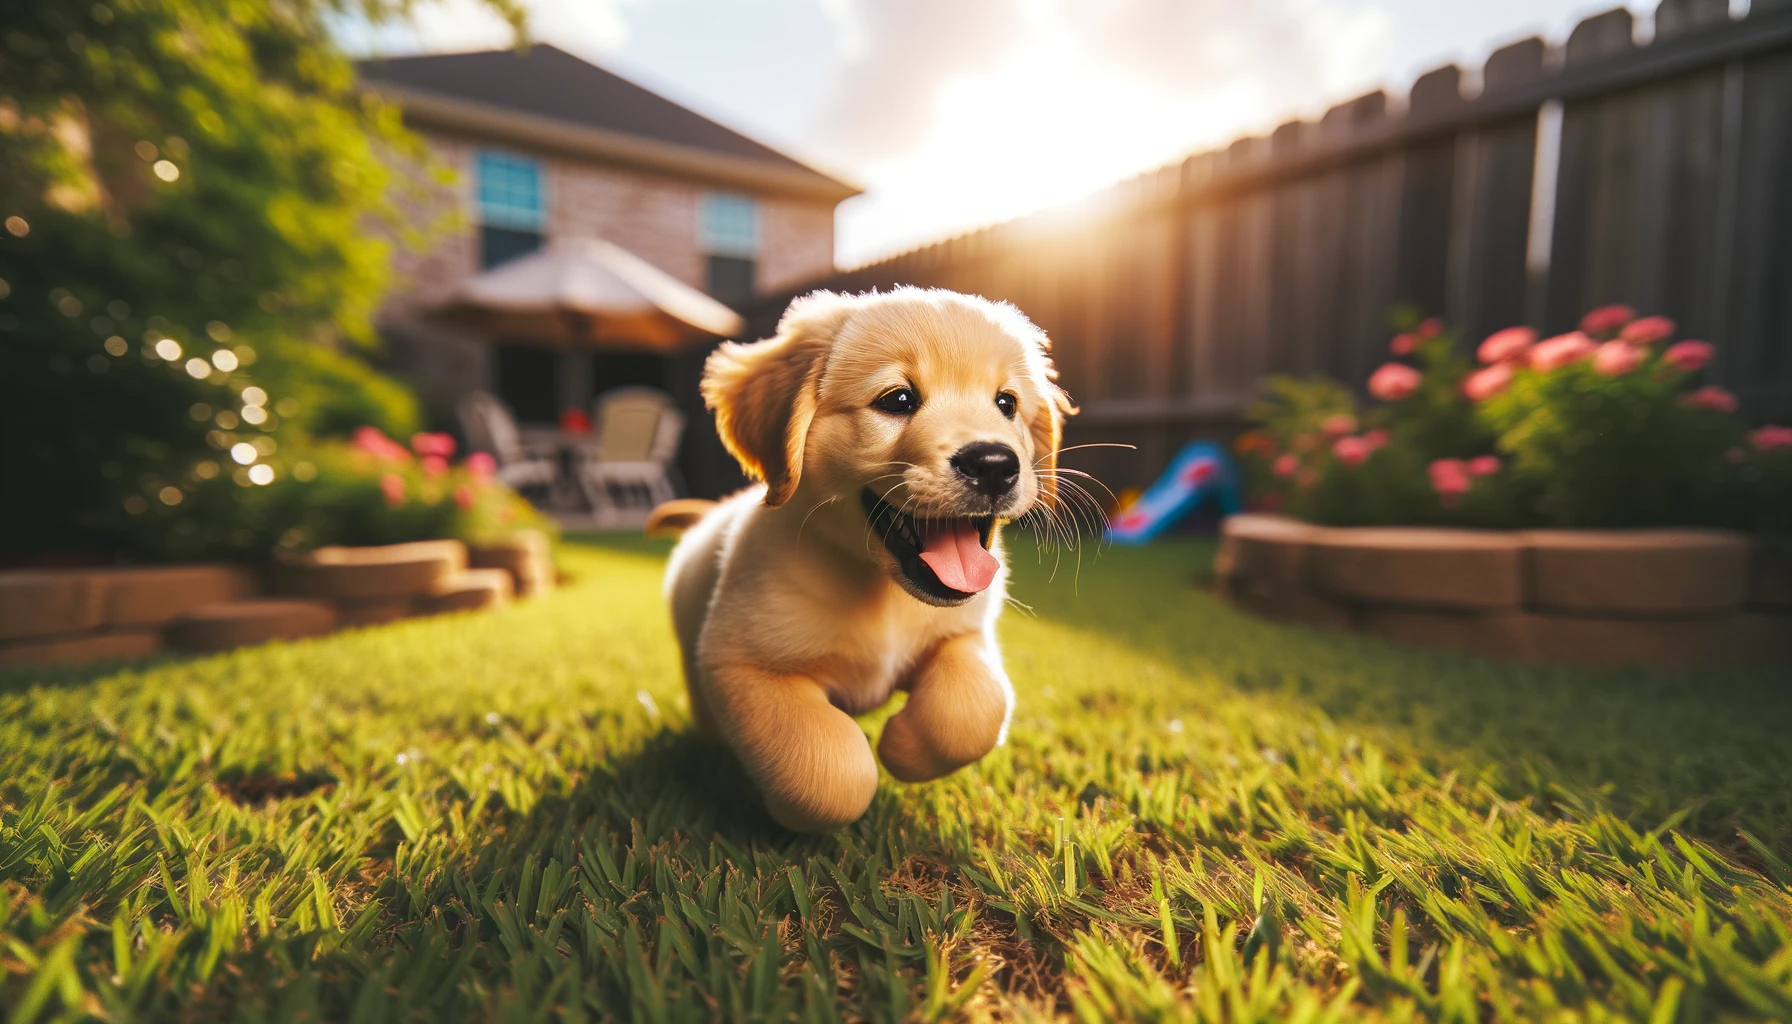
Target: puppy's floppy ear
{"points": [[764, 394], [1046, 425]]}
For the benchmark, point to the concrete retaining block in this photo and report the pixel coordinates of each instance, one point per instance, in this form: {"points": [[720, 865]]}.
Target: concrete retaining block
{"points": [[525, 555], [1637, 572], [1770, 578], [1660, 598], [117, 645], [1726, 641], [364, 574], [49, 602], [473, 590], [1495, 634], [1269, 549], [374, 611], [151, 595], [229, 624], [1413, 567]]}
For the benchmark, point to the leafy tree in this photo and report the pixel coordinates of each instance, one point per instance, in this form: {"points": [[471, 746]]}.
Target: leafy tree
{"points": [[195, 179]]}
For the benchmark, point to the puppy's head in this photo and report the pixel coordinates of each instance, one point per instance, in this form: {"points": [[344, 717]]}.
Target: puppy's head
{"points": [[922, 418]]}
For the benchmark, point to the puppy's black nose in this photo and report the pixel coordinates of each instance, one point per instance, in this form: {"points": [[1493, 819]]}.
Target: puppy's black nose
{"points": [[990, 467]]}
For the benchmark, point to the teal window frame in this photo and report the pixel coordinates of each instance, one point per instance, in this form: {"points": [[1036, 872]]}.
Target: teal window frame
{"points": [[510, 190], [728, 224]]}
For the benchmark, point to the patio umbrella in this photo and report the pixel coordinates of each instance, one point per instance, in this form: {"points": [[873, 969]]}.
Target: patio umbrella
{"points": [[589, 292]]}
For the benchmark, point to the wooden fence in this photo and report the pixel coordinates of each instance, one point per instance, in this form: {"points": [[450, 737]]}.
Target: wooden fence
{"points": [[1657, 175]]}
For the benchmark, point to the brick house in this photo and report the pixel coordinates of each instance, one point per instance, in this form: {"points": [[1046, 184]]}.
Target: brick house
{"points": [[543, 145]]}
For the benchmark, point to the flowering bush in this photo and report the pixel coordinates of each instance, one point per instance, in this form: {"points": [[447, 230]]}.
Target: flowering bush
{"points": [[1604, 426], [371, 490]]}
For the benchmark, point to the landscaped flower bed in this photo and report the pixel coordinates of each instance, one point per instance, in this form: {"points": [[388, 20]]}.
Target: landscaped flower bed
{"points": [[1583, 498], [334, 534]]}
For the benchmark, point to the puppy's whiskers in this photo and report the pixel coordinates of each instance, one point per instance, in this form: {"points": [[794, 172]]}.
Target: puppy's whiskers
{"points": [[817, 507]]}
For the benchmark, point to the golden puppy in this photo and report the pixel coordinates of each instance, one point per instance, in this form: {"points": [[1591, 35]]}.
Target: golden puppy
{"points": [[894, 433]]}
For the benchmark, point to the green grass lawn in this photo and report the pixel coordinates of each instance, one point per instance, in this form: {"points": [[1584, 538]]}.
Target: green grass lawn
{"points": [[1198, 815]]}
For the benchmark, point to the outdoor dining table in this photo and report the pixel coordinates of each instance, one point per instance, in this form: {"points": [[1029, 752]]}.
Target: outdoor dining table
{"points": [[567, 448]]}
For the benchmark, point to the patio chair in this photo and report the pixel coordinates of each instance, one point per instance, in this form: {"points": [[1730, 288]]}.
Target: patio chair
{"points": [[630, 470], [490, 428]]}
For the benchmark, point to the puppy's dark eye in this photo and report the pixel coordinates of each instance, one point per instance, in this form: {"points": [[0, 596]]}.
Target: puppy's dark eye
{"points": [[898, 401], [1007, 403]]}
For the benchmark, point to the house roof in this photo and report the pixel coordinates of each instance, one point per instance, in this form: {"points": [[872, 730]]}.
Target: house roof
{"points": [[546, 97]]}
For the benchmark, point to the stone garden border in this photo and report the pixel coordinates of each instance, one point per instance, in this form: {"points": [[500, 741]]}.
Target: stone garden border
{"points": [[78, 615], [1681, 598]]}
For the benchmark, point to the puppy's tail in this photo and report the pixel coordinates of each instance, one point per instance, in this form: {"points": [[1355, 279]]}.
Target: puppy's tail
{"points": [[676, 516]]}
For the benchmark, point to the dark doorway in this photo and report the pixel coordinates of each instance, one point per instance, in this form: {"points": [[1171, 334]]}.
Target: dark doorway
{"points": [[629, 369], [731, 279], [528, 382], [501, 245]]}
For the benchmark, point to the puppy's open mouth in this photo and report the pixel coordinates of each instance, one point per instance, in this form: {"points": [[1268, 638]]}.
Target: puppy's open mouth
{"points": [[943, 561]]}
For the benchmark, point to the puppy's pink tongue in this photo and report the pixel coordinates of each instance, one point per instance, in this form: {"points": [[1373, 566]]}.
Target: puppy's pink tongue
{"points": [[955, 555]]}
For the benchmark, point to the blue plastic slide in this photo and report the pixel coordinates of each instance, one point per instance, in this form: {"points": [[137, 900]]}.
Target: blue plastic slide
{"points": [[1200, 469]]}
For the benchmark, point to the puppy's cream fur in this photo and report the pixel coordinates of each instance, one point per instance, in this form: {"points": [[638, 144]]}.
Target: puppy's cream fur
{"points": [[789, 609]]}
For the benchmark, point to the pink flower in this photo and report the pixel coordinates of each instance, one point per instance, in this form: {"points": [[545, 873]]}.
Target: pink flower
{"points": [[1713, 398], [1616, 358], [1403, 344], [1284, 466], [378, 445], [1430, 328], [1307, 479], [1339, 425], [1648, 330], [392, 485], [1560, 351], [1688, 356], [1393, 381], [463, 496], [1351, 451], [481, 465], [434, 465], [1606, 319], [1770, 437], [1507, 346], [1449, 478], [1376, 438], [439, 445], [1736, 453], [1484, 465], [1484, 384]]}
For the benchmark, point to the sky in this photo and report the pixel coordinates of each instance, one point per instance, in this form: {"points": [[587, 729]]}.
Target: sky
{"points": [[953, 114]]}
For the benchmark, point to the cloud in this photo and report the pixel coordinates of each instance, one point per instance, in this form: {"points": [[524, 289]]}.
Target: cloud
{"points": [[972, 111], [897, 55], [1189, 46]]}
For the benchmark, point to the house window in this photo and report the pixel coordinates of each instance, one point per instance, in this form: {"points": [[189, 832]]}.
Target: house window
{"points": [[728, 231], [511, 204]]}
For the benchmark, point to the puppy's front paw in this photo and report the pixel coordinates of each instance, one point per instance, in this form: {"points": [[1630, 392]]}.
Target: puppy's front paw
{"points": [[808, 758], [825, 790], [957, 711], [912, 755]]}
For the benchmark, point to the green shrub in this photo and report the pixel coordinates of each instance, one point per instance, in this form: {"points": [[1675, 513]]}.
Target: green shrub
{"points": [[197, 173], [331, 393]]}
